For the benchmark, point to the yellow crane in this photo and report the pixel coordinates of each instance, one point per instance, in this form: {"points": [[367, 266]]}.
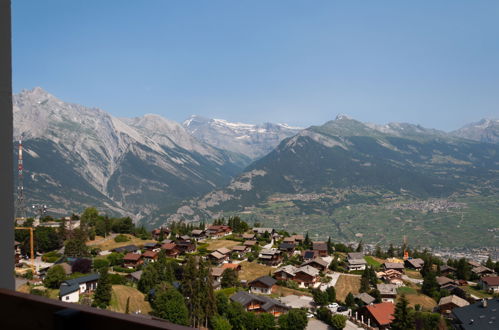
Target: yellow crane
{"points": [[31, 245]]}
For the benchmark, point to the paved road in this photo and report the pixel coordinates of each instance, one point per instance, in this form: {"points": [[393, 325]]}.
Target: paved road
{"points": [[314, 324]]}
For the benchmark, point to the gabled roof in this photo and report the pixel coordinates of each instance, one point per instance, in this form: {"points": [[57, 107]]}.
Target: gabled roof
{"points": [[356, 261], [452, 299], [132, 257], [447, 268], [245, 298], [416, 263], [150, 245], [263, 230], [265, 280], [250, 243], [136, 275], [150, 254], [66, 289], [197, 232], [365, 298], [382, 313], [217, 271], [319, 246], [441, 280], [317, 260], [83, 279], [239, 248], [387, 289], [217, 255], [394, 265], [126, 248], [355, 255], [309, 270], [289, 269], [474, 263], [491, 280], [481, 269], [248, 236], [286, 246], [270, 252], [168, 246], [476, 316], [223, 250]]}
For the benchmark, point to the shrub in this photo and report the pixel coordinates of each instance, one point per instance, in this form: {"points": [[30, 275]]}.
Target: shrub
{"points": [[117, 279], [123, 269], [121, 238], [51, 257], [83, 266], [100, 263]]}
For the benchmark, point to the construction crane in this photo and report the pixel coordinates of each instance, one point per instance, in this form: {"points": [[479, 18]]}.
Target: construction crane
{"points": [[31, 245], [20, 202]]}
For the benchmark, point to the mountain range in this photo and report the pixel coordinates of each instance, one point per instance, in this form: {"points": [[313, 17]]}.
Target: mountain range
{"points": [[330, 179]]}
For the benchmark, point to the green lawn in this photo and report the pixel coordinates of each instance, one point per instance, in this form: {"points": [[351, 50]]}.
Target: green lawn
{"points": [[406, 290], [476, 292], [372, 262]]}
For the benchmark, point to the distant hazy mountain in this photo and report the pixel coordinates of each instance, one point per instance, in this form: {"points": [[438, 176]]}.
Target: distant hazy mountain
{"points": [[253, 141], [77, 156], [486, 130], [343, 163]]}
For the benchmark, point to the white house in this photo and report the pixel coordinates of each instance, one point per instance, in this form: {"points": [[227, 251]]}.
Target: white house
{"points": [[70, 290]]}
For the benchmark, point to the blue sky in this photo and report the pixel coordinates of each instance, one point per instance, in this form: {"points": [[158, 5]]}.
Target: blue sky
{"points": [[434, 63]]}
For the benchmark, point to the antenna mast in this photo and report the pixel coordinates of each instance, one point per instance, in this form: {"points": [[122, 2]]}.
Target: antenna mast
{"points": [[20, 203]]}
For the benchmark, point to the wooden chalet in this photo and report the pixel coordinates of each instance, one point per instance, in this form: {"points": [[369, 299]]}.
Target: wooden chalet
{"points": [[321, 248], [288, 248], [150, 256], [132, 260], [416, 264], [318, 263], [218, 231], [309, 255], [259, 304], [447, 304], [378, 315], [270, 257], [170, 249], [262, 285]]}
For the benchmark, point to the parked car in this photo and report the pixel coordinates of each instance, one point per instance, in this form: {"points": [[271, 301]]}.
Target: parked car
{"points": [[333, 305], [341, 309]]}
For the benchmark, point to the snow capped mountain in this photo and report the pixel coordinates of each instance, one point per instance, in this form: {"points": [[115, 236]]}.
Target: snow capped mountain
{"points": [[251, 140], [486, 130], [78, 156]]}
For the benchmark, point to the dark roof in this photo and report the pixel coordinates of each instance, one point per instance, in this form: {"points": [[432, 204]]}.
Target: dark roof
{"points": [[126, 248], [151, 245], [309, 254], [244, 298], [320, 246], [267, 280], [478, 317], [286, 246], [73, 285], [355, 255]]}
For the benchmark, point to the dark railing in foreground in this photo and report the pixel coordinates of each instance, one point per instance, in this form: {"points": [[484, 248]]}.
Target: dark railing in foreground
{"points": [[24, 311]]}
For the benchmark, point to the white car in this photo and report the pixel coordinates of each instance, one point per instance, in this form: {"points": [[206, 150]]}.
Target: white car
{"points": [[310, 315], [333, 305]]}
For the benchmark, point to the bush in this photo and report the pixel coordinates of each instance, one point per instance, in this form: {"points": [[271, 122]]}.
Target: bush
{"points": [[100, 263], [38, 292], [117, 279], [55, 276], [51, 257], [338, 321], [121, 238], [83, 266]]}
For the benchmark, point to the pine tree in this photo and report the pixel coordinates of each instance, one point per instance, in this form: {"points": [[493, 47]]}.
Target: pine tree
{"points": [[350, 300], [229, 279], [169, 305], [403, 319], [102, 295], [359, 247], [430, 285], [391, 251], [330, 246], [148, 279], [331, 294], [188, 287], [489, 263]]}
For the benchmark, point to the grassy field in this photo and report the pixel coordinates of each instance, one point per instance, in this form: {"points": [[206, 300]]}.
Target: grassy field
{"points": [[120, 295], [413, 274], [252, 270], [220, 243], [372, 262], [476, 292], [110, 244], [345, 285], [406, 290], [426, 302], [281, 291]]}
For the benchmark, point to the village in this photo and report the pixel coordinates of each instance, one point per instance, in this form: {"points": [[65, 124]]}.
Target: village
{"points": [[263, 271]]}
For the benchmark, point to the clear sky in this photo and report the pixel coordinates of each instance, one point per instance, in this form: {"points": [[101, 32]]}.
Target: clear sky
{"points": [[434, 63]]}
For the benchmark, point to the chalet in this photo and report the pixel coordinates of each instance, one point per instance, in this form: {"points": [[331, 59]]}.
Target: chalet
{"points": [[306, 276], [216, 273], [70, 290], [447, 270], [170, 249], [490, 284], [218, 231], [236, 267], [218, 258], [364, 298], [298, 238], [249, 236], [285, 273], [446, 283], [127, 249], [240, 250], [198, 234], [355, 255], [309, 255], [394, 265], [391, 276], [132, 260], [184, 238], [288, 248], [259, 304], [186, 246], [264, 284], [270, 257], [378, 315], [416, 263], [250, 244], [135, 276], [288, 240], [474, 264], [321, 248], [388, 292], [480, 315], [152, 246], [356, 264], [447, 304], [318, 263], [482, 271], [150, 256]]}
